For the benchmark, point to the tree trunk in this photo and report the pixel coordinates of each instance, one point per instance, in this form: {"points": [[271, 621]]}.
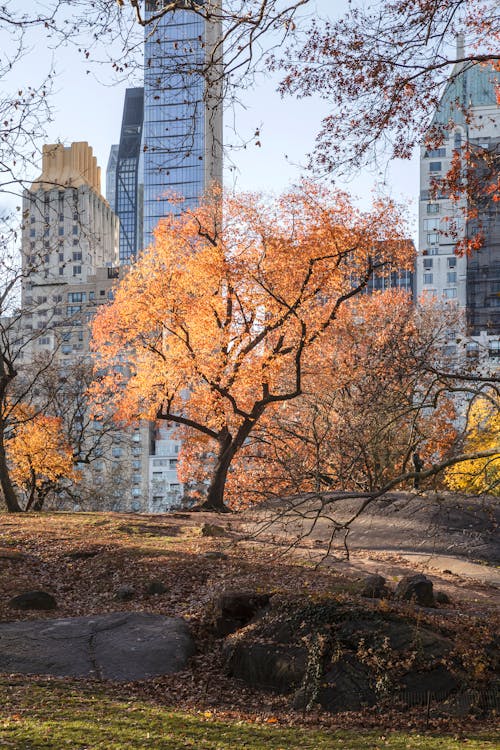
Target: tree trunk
{"points": [[9, 493], [215, 495]]}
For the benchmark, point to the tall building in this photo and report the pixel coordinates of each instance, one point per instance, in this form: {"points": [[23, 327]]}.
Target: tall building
{"points": [[128, 190], [468, 116], [70, 263], [111, 177], [182, 111]]}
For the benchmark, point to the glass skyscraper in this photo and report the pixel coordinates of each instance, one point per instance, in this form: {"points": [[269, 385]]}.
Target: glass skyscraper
{"points": [[182, 116], [128, 193]]}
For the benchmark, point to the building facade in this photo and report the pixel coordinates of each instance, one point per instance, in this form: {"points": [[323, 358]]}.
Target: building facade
{"points": [[128, 185], [182, 112], [468, 117], [70, 265]]}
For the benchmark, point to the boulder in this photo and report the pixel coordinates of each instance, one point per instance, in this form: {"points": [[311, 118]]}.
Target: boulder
{"points": [[33, 600], [417, 589], [211, 529], [346, 686], [374, 587], [156, 587], [122, 646], [267, 665], [442, 598], [417, 687], [125, 593], [234, 609]]}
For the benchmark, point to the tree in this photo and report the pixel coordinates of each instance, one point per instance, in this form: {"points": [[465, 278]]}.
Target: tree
{"points": [[365, 407], [40, 456], [213, 325], [383, 67], [481, 475]]}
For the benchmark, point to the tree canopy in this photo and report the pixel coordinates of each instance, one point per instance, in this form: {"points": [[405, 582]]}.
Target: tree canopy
{"points": [[212, 325]]}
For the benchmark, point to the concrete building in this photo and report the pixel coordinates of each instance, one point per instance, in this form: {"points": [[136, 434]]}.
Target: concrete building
{"points": [[468, 115], [70, 264]]}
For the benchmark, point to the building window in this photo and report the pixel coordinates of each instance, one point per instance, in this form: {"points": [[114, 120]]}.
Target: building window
{"points": [[428, 262], [450, 351], [77, 297], [494, 349], [75, 230], [435, 166], [450, 293], [451, 277], [433, 208], [77, 270], [472, 349], [61, 271], [77, 255], [433, 238], [427, 278], [435, 153], [61, 231], [452, 262], [431, 224], [116, 451], [172, 463], [73, 309], [32, 232]]}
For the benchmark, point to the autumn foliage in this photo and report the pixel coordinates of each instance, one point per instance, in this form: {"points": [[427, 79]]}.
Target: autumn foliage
{"points": [[480, 475], [39, 454], [217, 321]]}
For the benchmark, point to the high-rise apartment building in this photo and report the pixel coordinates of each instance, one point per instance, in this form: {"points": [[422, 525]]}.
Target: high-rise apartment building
{"points": [[111, 177], [70, 263], [182, 111], [468, 116]]}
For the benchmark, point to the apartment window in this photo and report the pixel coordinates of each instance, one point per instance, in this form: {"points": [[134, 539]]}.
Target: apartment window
{"points": [[61, 231], [431, 224], [427, 278], [61, 257], [75, 230], [450, 351], [450, 293], [91, 295], [136, 464], [428, 262], [136, 478], [436, 152], [472, 349], [451, 277], [77, 270], [32, 232], [433, 238], [44, 340], [172, 463], [61, 271], [435, 166], [494, 349], [77, 255], [136, 451], [76, 243], [433, 208], [452, 262], [457, 139], [116, 451], [73, 309], [66, 349], [32, 219], [77, 297]]}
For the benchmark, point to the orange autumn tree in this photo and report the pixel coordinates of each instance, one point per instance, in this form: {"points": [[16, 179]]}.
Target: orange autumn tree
{"points": [[39, 455], [213, 325], [366, 406]]}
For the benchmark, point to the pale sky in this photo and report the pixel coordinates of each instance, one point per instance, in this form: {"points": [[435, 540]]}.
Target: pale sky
{"points": [[88, 109]]}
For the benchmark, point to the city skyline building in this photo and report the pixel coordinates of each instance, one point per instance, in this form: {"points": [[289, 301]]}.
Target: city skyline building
{"points": [[182, 112], [128, 178], [469, 118]]}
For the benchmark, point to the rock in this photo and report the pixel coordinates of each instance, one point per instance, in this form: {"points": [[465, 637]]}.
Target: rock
{"points": [[33, 600], [156, 587], [417, 686], [267, 665], [122, 646], [374, 587], [12, 554], [125, 593], [210, 529], [212, 555], [346, 686], [234, 609], [82, 554], [416, 588], [442, 598]]}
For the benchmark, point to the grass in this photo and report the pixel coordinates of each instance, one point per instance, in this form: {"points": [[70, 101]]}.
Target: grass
{"points": [[58, 715]]}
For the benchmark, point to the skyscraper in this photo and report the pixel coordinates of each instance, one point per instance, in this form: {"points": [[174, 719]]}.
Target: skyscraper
{"points": [[182, 111], [468, 116], [111, 177], [128, 190]]}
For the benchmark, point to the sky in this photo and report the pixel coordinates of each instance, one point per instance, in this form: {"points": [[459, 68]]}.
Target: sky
{"points": [[87, 106]]}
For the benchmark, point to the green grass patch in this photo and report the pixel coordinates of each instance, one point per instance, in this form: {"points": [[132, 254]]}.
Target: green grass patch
{"points": [[53, 715]]}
